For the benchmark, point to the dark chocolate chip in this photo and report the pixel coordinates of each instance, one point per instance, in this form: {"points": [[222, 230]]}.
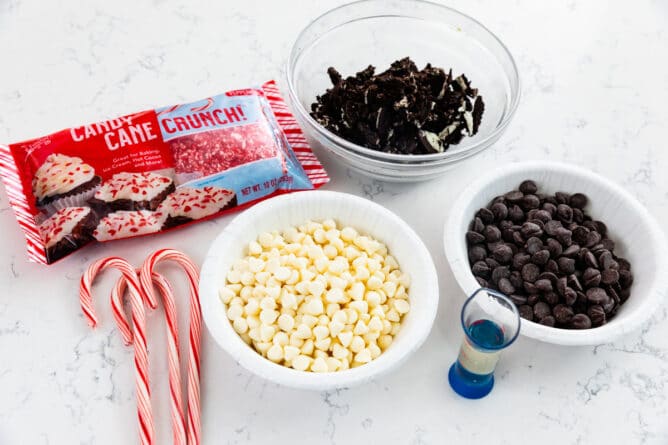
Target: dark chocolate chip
{"points": [[609, 276], [596, 314], [542, 216], [500, 272], [492, 233], [528, 186], [625, 278], [580, 235], [562, 197], [500, 211], [515, 214], [608, 244], [506, 286], [544, 285], [570, 296], [514, 196], [593, 238], [578, 200], [529, 288], [519, 260], [541, 310], [554, 247], [601, 228], [477, 253], [526, 312], [516, 279], [481, 269], [607, 261], [552, 267], [485, 215], [491, 262], [503, 253], [540, 257], [574, 282], [533, 245], [478, 225], [518, 300], [566, 265], [552, 226], [591, 277], [474, 237], [506, 224], [530, 202], [530, 229], [562, 313], [548, 321], [530, 272], [550, 207], [596, 295], [571, 250], [562, 285], [564, 236], [551, 298], [580, 321], [588, 258]]}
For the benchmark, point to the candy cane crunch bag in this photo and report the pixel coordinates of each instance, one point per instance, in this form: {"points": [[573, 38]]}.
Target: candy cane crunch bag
{"points": [[155, 170]]}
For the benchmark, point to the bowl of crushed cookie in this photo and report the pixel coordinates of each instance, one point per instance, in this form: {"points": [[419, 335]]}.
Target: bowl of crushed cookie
{"points": [[401, 91]]}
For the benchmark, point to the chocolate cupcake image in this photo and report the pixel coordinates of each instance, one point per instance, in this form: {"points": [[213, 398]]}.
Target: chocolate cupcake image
{"points": [[187, 204], [131, 192], [66, 231], [63, 181]]}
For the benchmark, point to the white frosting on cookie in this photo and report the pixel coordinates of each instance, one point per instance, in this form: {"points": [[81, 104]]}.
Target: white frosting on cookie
{"points": [[61, 224], [196, 203], [59, 174], [124, 224], [133, 186]]}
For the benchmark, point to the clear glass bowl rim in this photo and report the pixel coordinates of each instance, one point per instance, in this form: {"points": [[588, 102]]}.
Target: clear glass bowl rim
{"points": [[407, 160]]}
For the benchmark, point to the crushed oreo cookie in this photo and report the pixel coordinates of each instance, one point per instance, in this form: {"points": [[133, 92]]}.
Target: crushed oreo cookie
{"points": [[402, 110]]}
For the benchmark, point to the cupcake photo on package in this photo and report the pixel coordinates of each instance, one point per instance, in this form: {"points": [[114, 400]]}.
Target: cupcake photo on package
{"points": [[187, 204], [131, 192], [66, 231], [63, 181]]}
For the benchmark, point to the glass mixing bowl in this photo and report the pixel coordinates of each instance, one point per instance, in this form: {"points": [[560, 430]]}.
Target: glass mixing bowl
{"points": [[378, 32]]}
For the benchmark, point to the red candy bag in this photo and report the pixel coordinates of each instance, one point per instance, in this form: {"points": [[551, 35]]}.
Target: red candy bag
{"points": [[155, 170]]}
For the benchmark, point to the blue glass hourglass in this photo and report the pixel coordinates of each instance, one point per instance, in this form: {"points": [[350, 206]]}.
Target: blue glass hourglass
{"points": [[491, 323]]}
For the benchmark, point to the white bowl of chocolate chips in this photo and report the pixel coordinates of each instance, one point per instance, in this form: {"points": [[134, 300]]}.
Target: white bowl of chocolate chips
{"points": [[581, 258]]}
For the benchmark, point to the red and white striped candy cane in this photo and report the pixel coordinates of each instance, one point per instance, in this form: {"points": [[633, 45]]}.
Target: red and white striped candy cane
{"points": [[173, 356], [193, 415], [146, 427]]}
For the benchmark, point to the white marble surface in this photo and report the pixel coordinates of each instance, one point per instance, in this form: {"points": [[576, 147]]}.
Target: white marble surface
{"points": [[595, 91]]}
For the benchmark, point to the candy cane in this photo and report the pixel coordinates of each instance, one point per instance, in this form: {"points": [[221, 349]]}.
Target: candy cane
{"points": [[173, 356], [146, 427], [193, 416]]}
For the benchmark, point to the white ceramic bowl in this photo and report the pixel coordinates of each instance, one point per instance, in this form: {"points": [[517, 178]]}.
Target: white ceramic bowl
{"points": [[291, 210], [636, 234]]}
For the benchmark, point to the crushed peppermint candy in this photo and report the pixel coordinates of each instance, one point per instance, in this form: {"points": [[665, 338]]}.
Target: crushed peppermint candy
{"points": [[203, 154]]}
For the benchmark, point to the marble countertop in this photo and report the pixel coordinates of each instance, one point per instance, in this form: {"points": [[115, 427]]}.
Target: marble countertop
{"points": [[595, 88]]}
